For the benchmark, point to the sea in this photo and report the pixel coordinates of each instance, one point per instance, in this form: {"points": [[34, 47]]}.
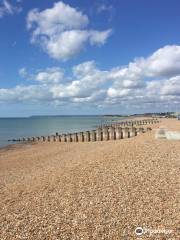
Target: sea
{"points": [[12, 128]]}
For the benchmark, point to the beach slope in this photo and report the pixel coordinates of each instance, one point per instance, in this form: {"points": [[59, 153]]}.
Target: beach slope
{"points": [[100, 190]]}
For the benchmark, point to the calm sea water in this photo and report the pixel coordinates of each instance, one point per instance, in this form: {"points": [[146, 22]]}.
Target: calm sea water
{"points": [[36, 126]]}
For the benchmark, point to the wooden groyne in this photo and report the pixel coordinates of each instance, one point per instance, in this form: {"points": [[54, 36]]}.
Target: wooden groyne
{"points": [[115, 131], [132, 123]]}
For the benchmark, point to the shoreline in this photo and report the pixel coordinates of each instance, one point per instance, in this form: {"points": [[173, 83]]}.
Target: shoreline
{"points": [[12, 146], [86, 125], [16, 141]]}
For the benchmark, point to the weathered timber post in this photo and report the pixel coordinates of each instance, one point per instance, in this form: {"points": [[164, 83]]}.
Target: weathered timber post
{"points": [[46, 138], [125, 132], [87, 136], [105, 133], [136, 129], [132, 132], [93, 135], [99, 134], [74, 137], [118, 133], [112, 133], [56, 138], [80, 137], [63, 138], [59, 138], [68, 137], [41, 139], [33, 139], [52, 138]]}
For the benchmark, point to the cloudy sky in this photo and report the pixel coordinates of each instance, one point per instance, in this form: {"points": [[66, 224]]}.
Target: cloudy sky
{"points": [[89, 56]]}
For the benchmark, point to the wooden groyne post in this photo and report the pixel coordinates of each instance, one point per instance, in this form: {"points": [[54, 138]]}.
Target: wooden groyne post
{"points": [[115, 131]]}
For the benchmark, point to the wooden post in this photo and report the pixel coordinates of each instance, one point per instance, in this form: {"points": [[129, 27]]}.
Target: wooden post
{"points": [[59, 138], [87, 136], [125, 132], [63, 138], [132, 132], [118, 133], [80, 137], [105, 133], [99, 134], [93, 135], [74, 137], [111, 133], [68, 137]]}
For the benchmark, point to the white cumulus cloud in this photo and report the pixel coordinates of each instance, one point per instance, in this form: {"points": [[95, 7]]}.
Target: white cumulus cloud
{"points": [[50, 75], [45, 76], [163, 63], [145, 83], [62, 31]]}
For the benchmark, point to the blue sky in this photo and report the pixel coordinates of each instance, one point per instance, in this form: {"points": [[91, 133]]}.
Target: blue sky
{"points": [[89, 57]]}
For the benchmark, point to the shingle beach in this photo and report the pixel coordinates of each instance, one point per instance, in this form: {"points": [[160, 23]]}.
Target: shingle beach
{"points": [[92, 190]]}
